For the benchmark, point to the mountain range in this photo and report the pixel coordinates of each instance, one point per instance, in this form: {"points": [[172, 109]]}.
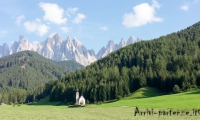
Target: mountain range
{"points": [[55, 48]]}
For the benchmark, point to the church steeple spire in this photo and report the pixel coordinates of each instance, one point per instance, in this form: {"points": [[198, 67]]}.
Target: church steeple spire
{"points": [[77, 96]]}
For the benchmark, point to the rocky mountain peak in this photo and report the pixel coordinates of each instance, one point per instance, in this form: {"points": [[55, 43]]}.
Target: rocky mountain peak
{"points": [[21, 37], [92, 52], [69, 40], [131, 40], [76, 42], [5, 45], [23, 40], [110, 42], [4, 50], [122, 43], [139, 39], [54, 39], [52, 35]]}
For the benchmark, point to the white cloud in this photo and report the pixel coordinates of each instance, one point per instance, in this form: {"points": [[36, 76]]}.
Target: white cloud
{"points": [[185, 7], [19, 19], [143, 14], [64, 29], [3, 32], [78, 18], [53, 13], [37, 27], [103, 28], [72, 10], [155, 4], [35, 42]]}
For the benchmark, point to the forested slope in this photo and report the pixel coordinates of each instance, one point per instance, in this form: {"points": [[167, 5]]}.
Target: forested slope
{"points": [[71, 65], [23, 72], [28, 70], [162, 63]]}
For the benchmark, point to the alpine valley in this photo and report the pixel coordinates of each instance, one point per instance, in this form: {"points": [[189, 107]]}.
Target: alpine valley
{"points": [[55, 48]]}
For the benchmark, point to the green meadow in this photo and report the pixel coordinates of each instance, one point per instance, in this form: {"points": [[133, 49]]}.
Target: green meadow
{"points": [[144, 98], [149, 98]]}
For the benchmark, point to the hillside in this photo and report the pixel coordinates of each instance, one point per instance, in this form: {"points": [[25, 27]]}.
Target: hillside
{"points": [[189, 100], [71, 65], [28, 70], [169, 63]]}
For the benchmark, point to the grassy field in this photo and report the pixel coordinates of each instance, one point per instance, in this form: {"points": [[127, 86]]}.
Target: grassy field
{"points": [[120, 110], [87, 113], [186, 100]]}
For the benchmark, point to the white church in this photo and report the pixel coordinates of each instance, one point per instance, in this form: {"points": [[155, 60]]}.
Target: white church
{"points": [[80, 100]]}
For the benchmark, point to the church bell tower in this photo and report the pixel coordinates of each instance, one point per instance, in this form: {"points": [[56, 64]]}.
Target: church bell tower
{"points": [[77, 96]]}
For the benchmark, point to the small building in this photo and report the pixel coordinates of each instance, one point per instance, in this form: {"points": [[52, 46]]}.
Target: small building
{"points": [[3, 104], [80, 100]]}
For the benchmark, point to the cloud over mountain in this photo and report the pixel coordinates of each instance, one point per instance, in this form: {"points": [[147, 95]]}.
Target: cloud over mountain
{"points": [[19, 19], [36, 26], [53, 13], [79, 18]]}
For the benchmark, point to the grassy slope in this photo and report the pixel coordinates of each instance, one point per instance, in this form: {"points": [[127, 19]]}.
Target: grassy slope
{"points": [[185, 100], [144, 92]]}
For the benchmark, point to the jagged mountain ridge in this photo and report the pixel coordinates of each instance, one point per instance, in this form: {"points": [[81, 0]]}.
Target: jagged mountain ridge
{"points": [[4, 50], [111, 47], [55, 48]]}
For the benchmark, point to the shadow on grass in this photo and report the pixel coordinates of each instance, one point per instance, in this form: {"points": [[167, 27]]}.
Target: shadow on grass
{"points": [[46, 101], [151, 93], [197, 91], [145, 92]]}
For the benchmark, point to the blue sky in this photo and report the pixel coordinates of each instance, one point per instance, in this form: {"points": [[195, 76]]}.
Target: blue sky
{"points": [[94, 22]]}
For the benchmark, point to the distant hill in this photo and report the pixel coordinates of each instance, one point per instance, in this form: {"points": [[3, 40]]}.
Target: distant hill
{"points": [[28, 70], [71, 65]]}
